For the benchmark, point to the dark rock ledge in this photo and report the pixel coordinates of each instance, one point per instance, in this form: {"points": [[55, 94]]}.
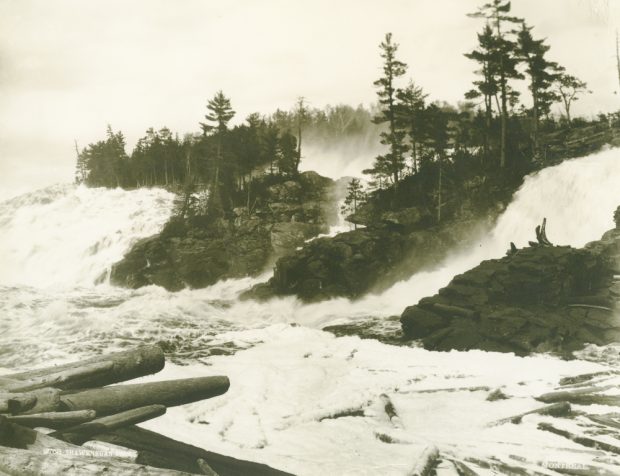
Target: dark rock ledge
{"points": [[542, 298]]}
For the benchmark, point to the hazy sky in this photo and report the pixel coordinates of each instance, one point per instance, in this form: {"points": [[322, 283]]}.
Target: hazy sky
{"points": [[67, 68]]}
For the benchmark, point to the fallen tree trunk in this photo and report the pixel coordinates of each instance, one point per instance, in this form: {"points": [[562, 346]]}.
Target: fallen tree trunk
{"points": [[28, 463], [82, 433], [159, 450], [53, 420], [63, 378], [126, 365], [118, 398], [570, 395], [556, 409], [579, 439]]}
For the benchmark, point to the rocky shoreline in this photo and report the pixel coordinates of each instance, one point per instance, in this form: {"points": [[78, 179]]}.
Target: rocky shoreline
{"points": [[190, 253], [542, 298], [370, 259]]}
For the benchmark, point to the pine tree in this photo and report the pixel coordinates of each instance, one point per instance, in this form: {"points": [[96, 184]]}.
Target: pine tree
{"points": [[487, 87], [219, 115], [542, 76], [410, 116], [392, 163], [569, 88], [301, 114], [288, 153], [356, 196], [437, 139], [503, 59]]}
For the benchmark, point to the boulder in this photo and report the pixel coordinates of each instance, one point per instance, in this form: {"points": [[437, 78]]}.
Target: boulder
{"points": [[535, 300]]}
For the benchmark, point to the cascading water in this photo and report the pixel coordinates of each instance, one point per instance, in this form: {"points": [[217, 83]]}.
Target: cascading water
{"points": [[58, 243], [67, 236]]}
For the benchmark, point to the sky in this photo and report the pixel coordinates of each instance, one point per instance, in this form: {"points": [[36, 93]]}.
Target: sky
{"points": [[70, 67]]}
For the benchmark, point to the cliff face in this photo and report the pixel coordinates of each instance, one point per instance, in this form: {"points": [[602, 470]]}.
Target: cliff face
{"points": [[359, 261], [541, 298], [196, 255]]}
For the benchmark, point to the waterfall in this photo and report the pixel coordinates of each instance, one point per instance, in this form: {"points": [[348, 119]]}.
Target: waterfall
{"points": [[68, 235]]}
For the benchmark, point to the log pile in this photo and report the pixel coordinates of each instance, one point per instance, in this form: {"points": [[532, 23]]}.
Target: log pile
{"points": [[51, 417]]}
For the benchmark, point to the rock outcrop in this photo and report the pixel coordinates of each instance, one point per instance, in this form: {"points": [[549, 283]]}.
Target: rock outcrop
{"points": [[536, 299], [353, 263], [195, 254]]}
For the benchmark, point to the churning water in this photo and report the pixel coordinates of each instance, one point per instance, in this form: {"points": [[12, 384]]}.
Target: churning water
{"points": [[59, 243]]}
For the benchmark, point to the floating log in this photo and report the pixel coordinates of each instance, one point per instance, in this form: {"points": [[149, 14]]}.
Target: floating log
{"points": [[610, 419], [60, 379], [591, 399], [579, 439], [53, 420], [126, 365], [556, 409], [426, 463], [81, 433], [159, 450], [570, 395], [118, 398], [15, 403], [582, 378], [21, 462]]}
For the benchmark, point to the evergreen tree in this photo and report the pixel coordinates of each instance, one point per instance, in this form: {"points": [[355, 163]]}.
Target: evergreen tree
{"points": [[503, 59], [487, 87], [569, 88], [542, 76], [288, 154], [392, 163], [269, 142], [410, 116], [437, 138], [301, 114], [356, 196], [218, 116]]}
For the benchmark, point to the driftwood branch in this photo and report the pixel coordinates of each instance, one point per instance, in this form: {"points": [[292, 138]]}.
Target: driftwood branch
{"points": [[541, 235]]}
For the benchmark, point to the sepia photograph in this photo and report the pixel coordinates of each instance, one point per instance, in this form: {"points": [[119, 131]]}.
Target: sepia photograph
{"points": [[310, 237]]}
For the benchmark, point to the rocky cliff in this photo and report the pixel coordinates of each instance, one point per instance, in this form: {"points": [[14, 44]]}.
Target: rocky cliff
{"points": [[536, 299], [196, 254]]}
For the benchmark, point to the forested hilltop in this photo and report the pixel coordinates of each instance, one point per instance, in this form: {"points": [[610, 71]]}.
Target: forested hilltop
{"points": [[442, 165]]}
